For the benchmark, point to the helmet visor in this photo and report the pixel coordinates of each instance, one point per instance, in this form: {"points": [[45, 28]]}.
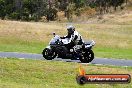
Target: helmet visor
{"points": [[70, 30]]}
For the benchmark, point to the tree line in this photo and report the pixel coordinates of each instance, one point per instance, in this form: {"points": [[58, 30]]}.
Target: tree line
{"points": [[28, 10]]}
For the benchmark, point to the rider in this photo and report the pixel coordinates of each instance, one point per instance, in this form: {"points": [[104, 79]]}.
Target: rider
{"points": [[74, 35]]}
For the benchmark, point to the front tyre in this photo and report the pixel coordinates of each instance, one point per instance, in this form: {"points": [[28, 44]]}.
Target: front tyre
{"points": [[87, 56], [48, 54]]}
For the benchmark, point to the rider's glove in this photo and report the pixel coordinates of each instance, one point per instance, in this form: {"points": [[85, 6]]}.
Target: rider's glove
{"points": [[62, 37]]}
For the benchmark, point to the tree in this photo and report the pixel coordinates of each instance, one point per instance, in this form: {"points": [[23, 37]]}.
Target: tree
{"points": [[2, 9], [35, 9]]}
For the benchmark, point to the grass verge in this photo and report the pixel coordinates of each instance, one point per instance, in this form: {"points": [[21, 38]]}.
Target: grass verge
{"points": [[15, 73]]}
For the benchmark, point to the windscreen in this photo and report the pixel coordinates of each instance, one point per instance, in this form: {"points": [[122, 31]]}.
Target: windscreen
{"points": [[54, 39]]}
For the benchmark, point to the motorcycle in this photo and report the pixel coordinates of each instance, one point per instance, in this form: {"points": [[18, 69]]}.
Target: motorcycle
{"points": [[58, 48]]}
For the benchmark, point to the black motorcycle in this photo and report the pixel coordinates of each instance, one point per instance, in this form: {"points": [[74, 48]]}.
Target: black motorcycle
{"points": [[57, 48]]}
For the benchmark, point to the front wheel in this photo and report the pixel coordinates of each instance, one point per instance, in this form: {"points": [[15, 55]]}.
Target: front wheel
{"points": [[48, 54], [87, 56]]}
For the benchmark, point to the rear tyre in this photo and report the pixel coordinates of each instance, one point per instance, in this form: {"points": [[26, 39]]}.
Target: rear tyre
{"points": [[87, 57], [48, 54]]}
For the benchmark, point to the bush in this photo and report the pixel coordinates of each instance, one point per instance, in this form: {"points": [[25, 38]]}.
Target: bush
{"points": [[15, 15]]}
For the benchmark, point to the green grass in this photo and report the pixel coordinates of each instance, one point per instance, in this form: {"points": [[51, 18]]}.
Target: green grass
{"points": [[15, 73], [104, 52], [17, 45], [22, 46], [108, 52]]}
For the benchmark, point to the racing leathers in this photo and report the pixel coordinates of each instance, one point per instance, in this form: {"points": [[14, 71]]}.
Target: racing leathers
{"points": [[75, 38]]}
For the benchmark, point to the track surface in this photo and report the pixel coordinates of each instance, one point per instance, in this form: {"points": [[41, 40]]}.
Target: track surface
{"points": [[103, 61]]}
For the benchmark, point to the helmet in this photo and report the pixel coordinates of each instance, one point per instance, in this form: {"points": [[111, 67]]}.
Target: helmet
{"points": [[70, 29]]}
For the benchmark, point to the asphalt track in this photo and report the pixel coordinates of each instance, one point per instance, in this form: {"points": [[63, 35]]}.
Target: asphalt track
{"points": [[102, 61]]}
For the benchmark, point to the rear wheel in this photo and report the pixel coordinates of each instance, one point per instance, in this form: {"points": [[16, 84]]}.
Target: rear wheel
{"points": [[48, 54], [87, 56]]}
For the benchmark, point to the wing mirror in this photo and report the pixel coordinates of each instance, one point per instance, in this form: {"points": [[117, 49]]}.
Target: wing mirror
{"points": [[54, 33]]}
